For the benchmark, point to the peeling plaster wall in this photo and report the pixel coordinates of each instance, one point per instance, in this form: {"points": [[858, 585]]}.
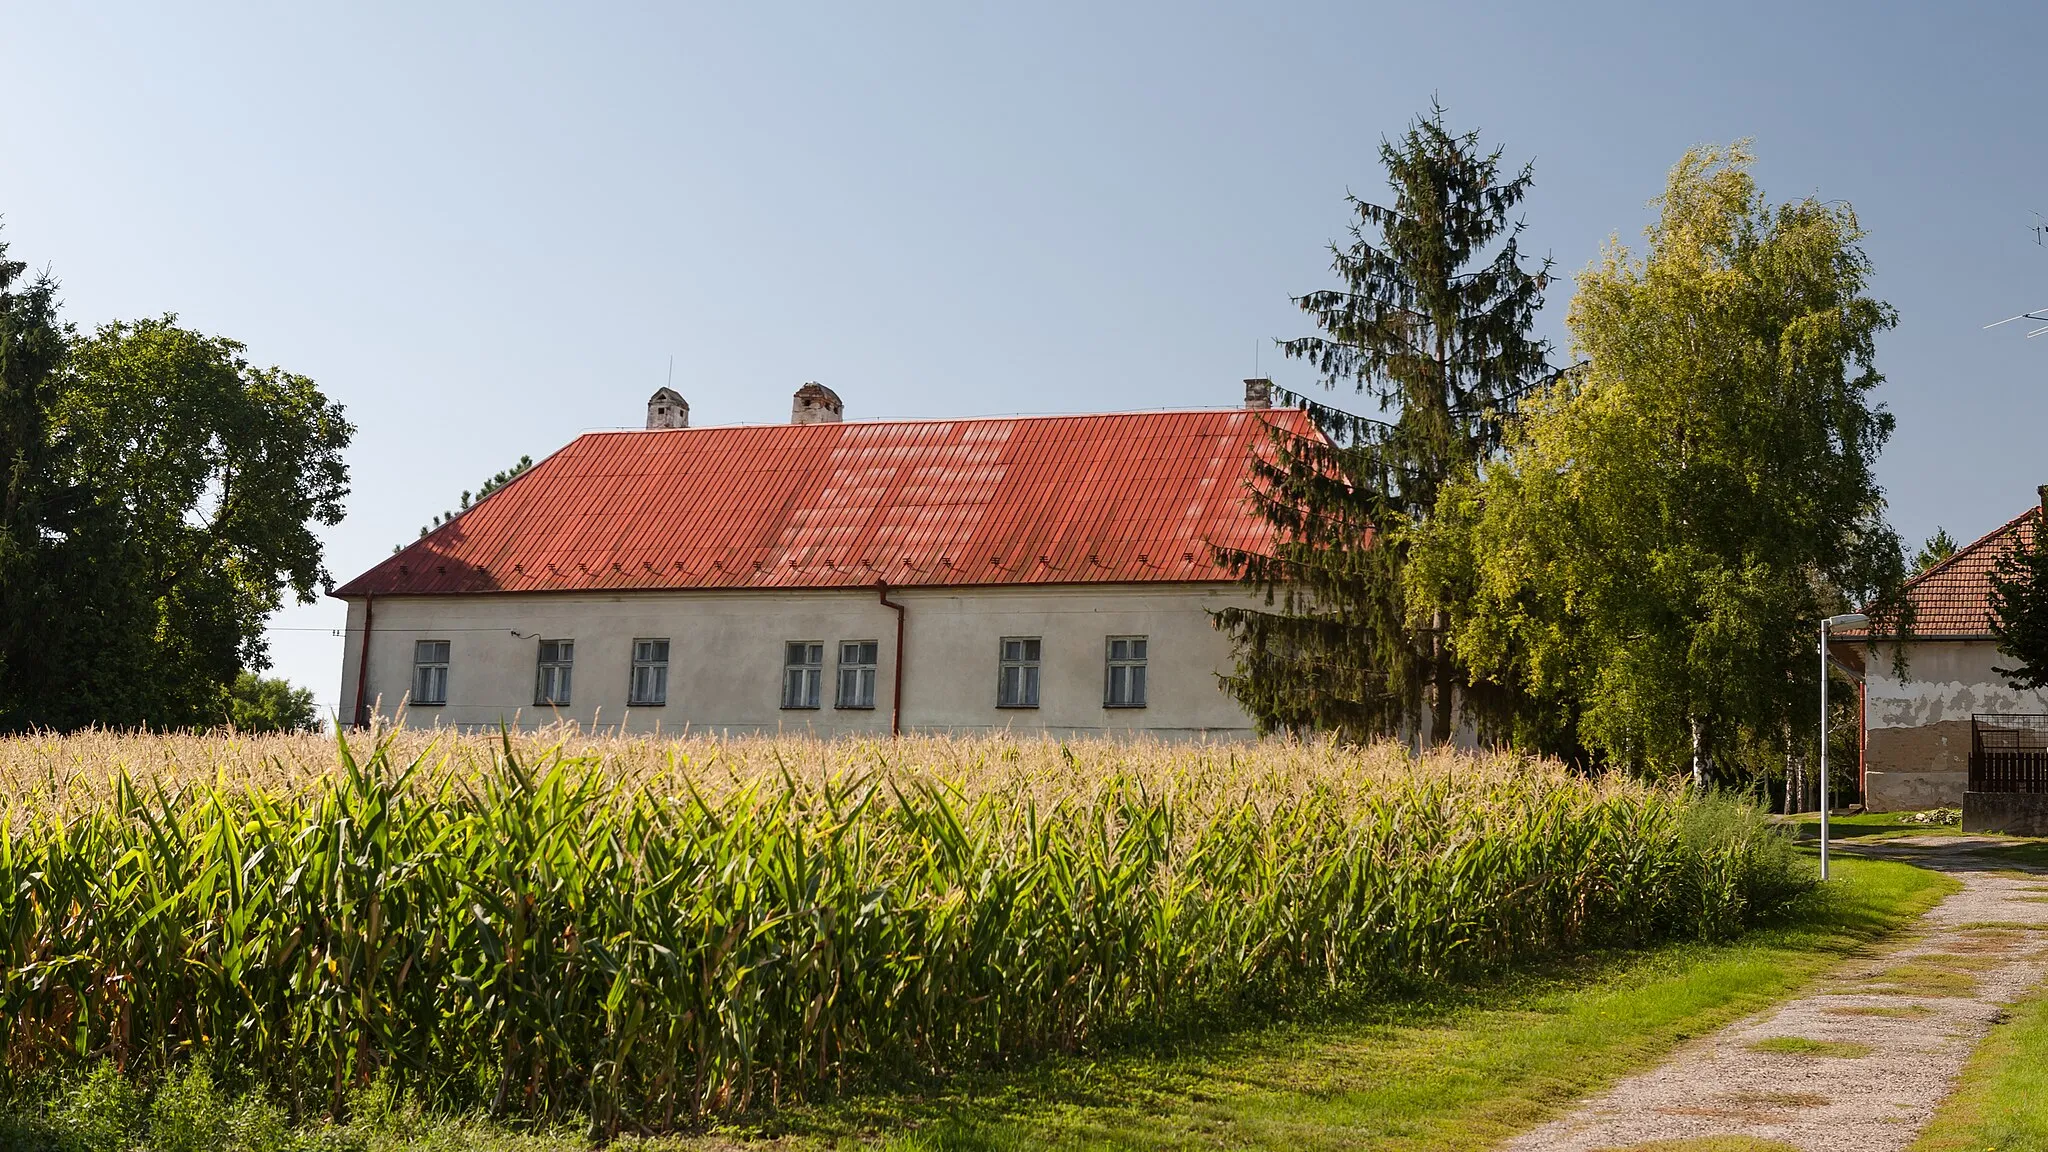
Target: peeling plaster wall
{"points": [[1917, 729]]}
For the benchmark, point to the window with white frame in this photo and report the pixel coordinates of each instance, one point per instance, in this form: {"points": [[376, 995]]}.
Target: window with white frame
{"points": [[1017, 673], [803, 673], [1124, 682], [430, 672], [649, 687], [557, 658], [857, 673]]}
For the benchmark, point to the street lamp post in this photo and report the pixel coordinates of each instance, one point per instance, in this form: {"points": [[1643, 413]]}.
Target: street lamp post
{"points": [[1827, 792]]}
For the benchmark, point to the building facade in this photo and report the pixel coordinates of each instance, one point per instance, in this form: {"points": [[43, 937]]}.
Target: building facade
{"points": [[1039, 574], [1917, 724]]}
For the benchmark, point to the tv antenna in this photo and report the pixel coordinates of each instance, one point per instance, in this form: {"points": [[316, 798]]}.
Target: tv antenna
{"points": [[2038, 315]]}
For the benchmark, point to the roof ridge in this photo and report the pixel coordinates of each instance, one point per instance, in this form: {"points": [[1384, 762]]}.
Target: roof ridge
{"points": [[1199, 411]]}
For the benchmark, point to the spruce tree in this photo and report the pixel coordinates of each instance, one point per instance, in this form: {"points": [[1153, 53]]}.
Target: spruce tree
{"points": [[1430, 319], [1939, 548]]}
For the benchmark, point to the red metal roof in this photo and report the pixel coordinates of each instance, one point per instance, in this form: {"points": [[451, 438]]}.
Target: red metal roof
{"points": [[1952, 600], [1133, 497]]}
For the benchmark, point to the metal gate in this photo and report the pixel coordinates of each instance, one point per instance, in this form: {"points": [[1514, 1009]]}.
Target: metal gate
{"points": [[2009, 753]]}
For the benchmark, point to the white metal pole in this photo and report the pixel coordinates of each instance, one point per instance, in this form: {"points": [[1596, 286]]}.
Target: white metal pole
{"points": [[1823, 750]]}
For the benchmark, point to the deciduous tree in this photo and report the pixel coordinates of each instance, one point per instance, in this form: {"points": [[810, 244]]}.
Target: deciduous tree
{"points": [[1669, 523], [194, 483], [267, 704]]}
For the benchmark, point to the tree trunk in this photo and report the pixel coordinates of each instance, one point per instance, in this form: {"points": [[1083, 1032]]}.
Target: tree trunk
{"points": [[1699, 766], [1787, 742], [1441, 714]]}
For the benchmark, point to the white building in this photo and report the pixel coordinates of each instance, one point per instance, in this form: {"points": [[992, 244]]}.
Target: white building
{"points": [[1920, 728], [1045, 573]]}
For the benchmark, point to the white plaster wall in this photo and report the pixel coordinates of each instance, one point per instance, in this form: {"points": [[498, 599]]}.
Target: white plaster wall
{"points": [[1945, 680], [1917, 727], [726, 650]]}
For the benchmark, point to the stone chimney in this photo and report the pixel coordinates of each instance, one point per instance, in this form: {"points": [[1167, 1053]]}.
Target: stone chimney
{"points": [[1258, 393], [667, 409], [816, 404]]}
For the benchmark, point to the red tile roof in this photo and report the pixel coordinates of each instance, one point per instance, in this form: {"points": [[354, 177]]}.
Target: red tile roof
{"points": [[1952, 600], [1133, 497]]}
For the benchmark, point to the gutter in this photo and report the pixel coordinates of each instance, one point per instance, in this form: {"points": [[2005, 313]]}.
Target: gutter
{"points": [[363, 662], [896, 694]]}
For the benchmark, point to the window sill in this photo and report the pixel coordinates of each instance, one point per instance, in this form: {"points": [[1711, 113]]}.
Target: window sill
{"points": [[853, 707], [800, 708], [1019, 707], [646, 703], [1125, 707], [550, 703]]}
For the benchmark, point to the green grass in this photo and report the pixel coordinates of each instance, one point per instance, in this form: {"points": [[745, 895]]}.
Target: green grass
{"points": [[1807, 1046], [2029, 854], [2001, 1102], [1914, 978], [1865, 826], [1894, 1011], [1460, 1072]]}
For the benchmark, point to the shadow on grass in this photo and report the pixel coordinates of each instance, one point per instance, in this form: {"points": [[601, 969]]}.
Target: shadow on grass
{"points": [[1863, 826]]}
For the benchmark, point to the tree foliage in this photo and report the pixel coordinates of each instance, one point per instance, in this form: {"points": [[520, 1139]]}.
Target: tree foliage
{"points": [[267, 704], [32, 347], [1939, 547], [2019, 606], [1430, 320], [496, 481], [161, 499], [1669, 523]]}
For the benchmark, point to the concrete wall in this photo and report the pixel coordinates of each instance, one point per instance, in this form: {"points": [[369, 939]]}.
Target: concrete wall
{"points": [[1917, 729], [2012, 813], [726, 653]]}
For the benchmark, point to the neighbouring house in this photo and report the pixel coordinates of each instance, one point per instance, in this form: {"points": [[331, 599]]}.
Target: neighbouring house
{"points": [[1919, 726], [1035, 573]]}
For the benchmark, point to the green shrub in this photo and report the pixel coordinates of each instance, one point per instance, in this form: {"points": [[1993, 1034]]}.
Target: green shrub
{"points": [[103, 1113], [189, 1114]]}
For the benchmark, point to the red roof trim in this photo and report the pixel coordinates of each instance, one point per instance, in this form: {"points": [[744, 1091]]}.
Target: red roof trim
{"points": [[1952, 600], [1035, 500]]}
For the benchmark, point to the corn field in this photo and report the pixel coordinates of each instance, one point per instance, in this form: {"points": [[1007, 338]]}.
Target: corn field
{"points": [[650, 933]]}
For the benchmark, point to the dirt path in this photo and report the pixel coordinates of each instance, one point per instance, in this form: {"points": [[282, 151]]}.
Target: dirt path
{"points": [[1860, 1063]]}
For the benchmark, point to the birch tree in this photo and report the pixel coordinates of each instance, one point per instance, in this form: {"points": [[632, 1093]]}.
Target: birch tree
{"points": [[1669, 522]]}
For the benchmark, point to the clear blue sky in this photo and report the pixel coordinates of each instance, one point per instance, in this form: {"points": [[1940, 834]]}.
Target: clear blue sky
{"points": [[487, 228]]}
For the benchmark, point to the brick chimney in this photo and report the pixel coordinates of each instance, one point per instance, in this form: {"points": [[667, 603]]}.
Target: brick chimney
{"points": [[816, 404], [667, 409], [1258, 393]]}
